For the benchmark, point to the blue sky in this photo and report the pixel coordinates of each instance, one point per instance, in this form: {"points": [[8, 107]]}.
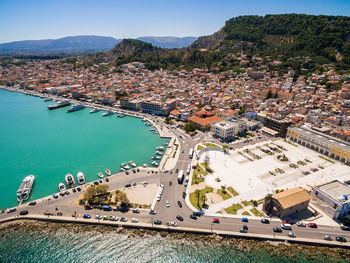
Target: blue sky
{"points": [[43, 19]]}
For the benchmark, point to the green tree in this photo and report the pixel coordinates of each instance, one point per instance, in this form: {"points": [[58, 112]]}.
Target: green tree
{"points": [[190, 127], [269, 94], [121, 197]]}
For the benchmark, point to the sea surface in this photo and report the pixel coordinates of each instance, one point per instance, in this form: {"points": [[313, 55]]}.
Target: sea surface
{"points": [[50, 144]]}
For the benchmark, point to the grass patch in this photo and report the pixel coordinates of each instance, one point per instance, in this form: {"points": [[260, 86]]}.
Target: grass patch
{"points": [[199, 147], [290, 142], [246, 203], [211, 144], [195, 178], [255, 212], [324, 158], [224, 194], [207, 168], [246, 213], [232, 191], [233, 209], [194, 197]]}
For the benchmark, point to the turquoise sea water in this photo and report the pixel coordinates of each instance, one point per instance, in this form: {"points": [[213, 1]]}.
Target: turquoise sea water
{"points": [[50, 144], [66, 246]]}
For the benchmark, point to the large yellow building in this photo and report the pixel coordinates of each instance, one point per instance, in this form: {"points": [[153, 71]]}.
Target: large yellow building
{"points": [[320, 142]]}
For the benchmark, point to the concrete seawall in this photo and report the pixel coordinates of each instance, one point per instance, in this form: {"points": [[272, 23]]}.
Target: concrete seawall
{"points": [[199, 231]]}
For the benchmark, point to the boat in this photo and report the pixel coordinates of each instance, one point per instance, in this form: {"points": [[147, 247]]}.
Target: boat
{"points": [[61, 187], [160, 148], [157, 157], [76, 107], [108, 172], [25, 188], [100, 175], [165, 144], [60, 104], [47, 99], [94, 110], [107, 113], [132, 163], [122, 169], [125, 166], [81, 178], [154, 163], [70, 180], [145, 165], [158, 152], [122, 115]]}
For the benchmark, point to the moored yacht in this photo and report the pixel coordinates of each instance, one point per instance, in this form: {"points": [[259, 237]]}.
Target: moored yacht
{"points": [[60, 104], [25, 188], [61, 187], [108, 172], [100, 175], [160, 148], [154, 163], [70, 180], [125, 166], [107, 113], [145, 165], [133, 164], [81, 178], [76, 107], [94, 110]]}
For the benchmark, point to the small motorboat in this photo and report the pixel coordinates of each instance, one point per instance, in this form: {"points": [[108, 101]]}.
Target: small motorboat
{"points": [[108, 172], [100, 175], [61, 187]]}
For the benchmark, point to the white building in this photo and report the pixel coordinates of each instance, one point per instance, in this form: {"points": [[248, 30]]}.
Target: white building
{"points": [[333, 198], [228, 129]]}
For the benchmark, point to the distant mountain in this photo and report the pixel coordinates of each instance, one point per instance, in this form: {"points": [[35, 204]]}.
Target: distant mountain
{"points": [[86, 44], [169, 42], [66, 44]]}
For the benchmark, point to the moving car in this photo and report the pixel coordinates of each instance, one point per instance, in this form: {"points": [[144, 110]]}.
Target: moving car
{"points": [[179, 204], [183, 195], [180, 218], [167, 203], [345, 228], [87, 216], [193, 217], [285, 221], [196, 213], [127, 185], [216, 220], [277, 230], [244, 219], [265, 221], [312, 225], [286, 226], [23, 213], [152, 212], [327, 237], [291, 234], [242, 230]]}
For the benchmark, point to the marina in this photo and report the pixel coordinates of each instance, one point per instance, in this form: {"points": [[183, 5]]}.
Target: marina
{"points": [[126, 139]]}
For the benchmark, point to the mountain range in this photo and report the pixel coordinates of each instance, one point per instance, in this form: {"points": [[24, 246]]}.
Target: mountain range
{"points": [[87, 44], [298, 40]]}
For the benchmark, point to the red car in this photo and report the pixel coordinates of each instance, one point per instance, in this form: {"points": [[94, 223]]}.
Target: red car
{"points": [[216, 220], [312, 225], [287, 222]]}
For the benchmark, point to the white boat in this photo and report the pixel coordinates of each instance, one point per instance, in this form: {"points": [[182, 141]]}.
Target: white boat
{"points": [[25, 188], [108, 172], [125, 166], [154, 163], [100, 175], [145, 165], [158, 152], [94, 110], [133, 164], [70, 180], [122, 169], [160, 148], [107, 113], [165, 144], [61, 187], [81, 178], [157, 157]]}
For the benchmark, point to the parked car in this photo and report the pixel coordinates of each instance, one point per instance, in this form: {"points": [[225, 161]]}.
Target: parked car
{"points": [[285, 221], [345, 228], [312, 225], [56, 196], [106, 217], [23, 212], [153, 212], [113, 218], [183, 195], [265, 221], [32, 203], [180, 218], [173, 224], [286, 226], [193, 217], [301, 224], [87, 216], [78, 188], [157, 222], [216, 220], [277, 230], [136, 211], [98, 217], [177, 170], [11, 210], [196, 213], [107, 208], [244, 219], [340, 239], [179, 204], [127, 185], [123, 219], [134, 220], [88, 207]]}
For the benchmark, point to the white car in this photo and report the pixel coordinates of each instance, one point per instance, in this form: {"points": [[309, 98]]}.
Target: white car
{"points": [[327, 237], [134, 220], [162, 186], [167, 203], [301, 224], [144, 182], [291, 234], [173, 223], [158, 198], [98, 217]]}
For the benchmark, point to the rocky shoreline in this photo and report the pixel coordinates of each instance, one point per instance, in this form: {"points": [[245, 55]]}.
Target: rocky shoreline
{"points": [[279, 249]]}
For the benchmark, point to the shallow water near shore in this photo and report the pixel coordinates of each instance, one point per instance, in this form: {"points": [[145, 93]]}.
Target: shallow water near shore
{"points": [[50, 144], [50, 242]]}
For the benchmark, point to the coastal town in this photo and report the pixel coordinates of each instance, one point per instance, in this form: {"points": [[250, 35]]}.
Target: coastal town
{"points": [[252, 152]]}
